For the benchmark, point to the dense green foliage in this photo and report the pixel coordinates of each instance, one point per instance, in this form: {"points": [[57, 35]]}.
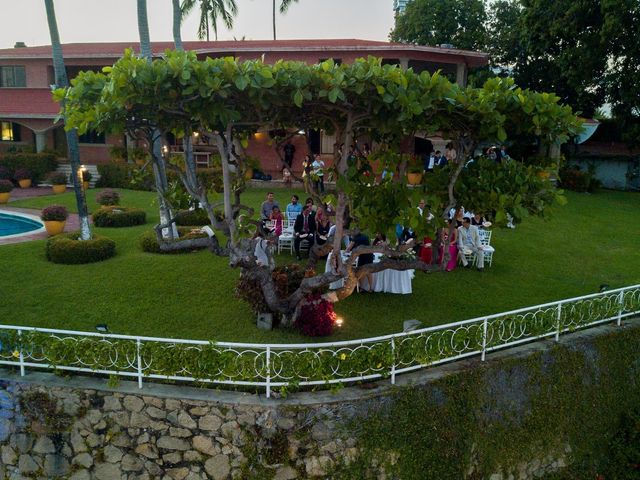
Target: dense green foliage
{"points": [[116, 216], [66, 248], [506, 413], [192, 218], [149, 241], [38, 164], [540, 261]]}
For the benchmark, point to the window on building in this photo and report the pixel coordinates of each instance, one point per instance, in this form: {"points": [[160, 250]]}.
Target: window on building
{"points": [[91, 137], [327, 142], [12, 76], [9, 132]]}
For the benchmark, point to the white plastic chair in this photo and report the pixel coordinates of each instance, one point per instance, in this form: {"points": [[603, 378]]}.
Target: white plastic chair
{"points": [[285, 242], [485, 240]]}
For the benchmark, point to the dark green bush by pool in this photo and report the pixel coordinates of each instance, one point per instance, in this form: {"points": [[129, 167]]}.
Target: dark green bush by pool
{"points": [[115, 216], [67, 249]]}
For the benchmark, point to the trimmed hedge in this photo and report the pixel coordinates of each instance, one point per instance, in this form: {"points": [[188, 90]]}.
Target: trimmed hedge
{"points": [[116, 216], [67, 249], [39, 164], [192, 218], [149, 241]]}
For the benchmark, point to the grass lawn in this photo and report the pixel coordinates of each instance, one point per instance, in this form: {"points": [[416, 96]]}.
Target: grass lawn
{"points": [[591, 241]]}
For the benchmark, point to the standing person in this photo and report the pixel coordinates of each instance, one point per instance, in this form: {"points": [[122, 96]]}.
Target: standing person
{"points": [[361, 239], [304, 229], [289, 152], [306, 173], [469, 242], [441, 160], [318, 171], [429, 162], [267, 206], [453, 247], [450, 153], [294, 208]]}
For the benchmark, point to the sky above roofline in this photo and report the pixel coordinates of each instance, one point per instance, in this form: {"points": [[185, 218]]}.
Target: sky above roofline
{"points": [[113, 21]]}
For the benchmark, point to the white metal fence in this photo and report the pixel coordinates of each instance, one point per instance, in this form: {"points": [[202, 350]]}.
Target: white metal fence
{"points": [[280, 365]]}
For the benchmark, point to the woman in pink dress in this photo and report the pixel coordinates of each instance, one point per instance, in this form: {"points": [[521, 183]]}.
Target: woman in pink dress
{"points": [[453, 247], [277, 219]]}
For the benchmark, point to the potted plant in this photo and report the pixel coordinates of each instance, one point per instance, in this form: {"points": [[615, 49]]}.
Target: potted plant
{"points": [[54, 218], [414, 171], [5, 190], [58, 182], [23, 176]]}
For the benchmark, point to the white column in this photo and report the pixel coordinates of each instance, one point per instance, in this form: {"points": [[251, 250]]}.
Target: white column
{"points": [[41, 141], [461, 74]]}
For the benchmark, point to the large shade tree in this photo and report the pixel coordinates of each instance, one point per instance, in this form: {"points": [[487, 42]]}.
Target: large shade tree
{"points": [[230, 100], [61, 81]]}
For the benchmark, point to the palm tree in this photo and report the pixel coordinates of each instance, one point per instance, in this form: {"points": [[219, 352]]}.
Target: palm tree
{"points": [[72, 135], [210, 12], [159, 168], [284, 6], [177, 21]]}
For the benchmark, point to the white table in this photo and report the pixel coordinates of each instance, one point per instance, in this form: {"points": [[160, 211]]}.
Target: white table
{"points": [[388, 281]]}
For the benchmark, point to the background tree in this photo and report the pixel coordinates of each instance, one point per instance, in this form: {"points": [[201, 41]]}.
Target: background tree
{"points": [[284, 6], [71, 134], [210, 12], [461, 23], [177, 22]]}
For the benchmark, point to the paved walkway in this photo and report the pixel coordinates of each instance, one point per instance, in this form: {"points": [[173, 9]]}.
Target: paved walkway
{"points": [[73, 223], [21, 193]]}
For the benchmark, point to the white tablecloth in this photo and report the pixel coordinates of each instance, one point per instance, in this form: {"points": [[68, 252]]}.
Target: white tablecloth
{"points": [[389, 281]]}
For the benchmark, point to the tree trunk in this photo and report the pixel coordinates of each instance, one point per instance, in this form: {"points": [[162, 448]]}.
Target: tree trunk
{"points": [[72, 135], [143, 30], [177, 21], [274, 19]]}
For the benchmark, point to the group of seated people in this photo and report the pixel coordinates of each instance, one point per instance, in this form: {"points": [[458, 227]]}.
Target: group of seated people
{"points": [[311, 223], [462, 234]]}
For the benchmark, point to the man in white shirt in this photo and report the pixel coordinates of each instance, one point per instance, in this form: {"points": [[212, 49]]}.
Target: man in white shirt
{"points": [[469, 242]]}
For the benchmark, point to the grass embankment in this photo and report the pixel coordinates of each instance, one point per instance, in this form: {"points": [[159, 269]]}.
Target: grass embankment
{"points": [[591, 241]]}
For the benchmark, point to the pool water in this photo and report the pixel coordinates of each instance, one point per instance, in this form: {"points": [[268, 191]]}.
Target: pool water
{"points": [[13, 224]]}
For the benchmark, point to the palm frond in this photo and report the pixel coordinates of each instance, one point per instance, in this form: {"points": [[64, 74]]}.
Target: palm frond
{"points": [[284, 6]]}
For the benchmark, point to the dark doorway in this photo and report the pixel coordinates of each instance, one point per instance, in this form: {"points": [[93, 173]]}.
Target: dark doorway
{"points": [[422, 146], [314, 141]]}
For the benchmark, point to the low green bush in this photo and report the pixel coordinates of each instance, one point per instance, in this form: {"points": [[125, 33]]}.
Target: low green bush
{"points": [[115, 216], [115, 175], [108, 197], [57, 178], [67, 249], [573, 178], [38, 164], [149, 241], [192, 218]]}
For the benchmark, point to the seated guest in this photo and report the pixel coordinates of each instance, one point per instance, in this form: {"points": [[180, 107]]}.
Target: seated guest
{"points": [[267, 206], [304, 229], [309, 201], [426, 252], [361, 239], [323, 225], [294, 208], [469, 242], [478, 220], [459, 217], [453, 246], [277, 219], [286, 177], [380, 240], [441, 160]]}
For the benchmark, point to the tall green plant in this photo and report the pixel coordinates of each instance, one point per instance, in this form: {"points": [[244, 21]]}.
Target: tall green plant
{"points": [[72, 134]]}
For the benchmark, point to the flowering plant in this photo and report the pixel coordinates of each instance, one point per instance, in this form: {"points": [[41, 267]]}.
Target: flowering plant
{"points": [[54, 213], [22, 174], [108, 197], [316, 317], [5, 186]]}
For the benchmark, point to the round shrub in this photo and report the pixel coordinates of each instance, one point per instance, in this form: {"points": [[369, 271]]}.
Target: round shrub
{"points": [[22, 174], [56, 213], [67, 249], [114, 216], [192, 218], [149, 240], [58, 178], [108, 197], [5, 186]]}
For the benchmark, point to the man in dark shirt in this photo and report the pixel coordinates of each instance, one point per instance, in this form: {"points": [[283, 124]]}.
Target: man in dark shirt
{"points": [[304, 229], [289, 152]]}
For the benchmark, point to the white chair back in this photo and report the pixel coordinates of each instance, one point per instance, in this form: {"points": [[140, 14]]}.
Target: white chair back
{"points": [[485, 236]]}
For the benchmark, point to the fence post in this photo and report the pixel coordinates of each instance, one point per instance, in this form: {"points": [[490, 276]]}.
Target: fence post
{"points": [[393, 364], [268, 371], [139, 363], [484, 338], [621, 309], [559, 322], [21, 354]]}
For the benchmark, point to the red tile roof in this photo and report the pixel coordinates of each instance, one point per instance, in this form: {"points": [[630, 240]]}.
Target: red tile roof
{"points": [[27, 103], [98, 50]]}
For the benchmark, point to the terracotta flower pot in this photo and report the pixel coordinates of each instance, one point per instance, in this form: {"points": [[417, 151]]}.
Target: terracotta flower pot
{"points": [[54, 227], [25, 183], [4, 197], [59, 188], [414, 178]]}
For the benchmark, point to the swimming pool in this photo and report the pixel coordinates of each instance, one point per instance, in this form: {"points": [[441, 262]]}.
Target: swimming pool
{"points": [[16, 224]]}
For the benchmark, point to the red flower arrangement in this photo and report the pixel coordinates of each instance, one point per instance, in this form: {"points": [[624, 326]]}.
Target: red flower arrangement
{"points": [[316, 317]]}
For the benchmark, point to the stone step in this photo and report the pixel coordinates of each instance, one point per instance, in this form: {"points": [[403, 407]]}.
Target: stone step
{"points": [[66, 169]]}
